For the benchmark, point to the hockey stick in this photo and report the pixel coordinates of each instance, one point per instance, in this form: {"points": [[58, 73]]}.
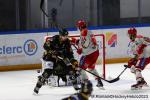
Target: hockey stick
{"points": [[117, 78], [42, 9], [109, 81], [126, 66], [47, 15]]}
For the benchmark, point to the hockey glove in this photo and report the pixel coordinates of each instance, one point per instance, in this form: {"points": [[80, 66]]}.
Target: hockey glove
{"points": [[132, 61], [79, 51], [74, 41]]}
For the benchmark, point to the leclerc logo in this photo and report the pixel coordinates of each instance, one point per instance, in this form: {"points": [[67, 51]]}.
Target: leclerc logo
{"points": [[30, 47]]}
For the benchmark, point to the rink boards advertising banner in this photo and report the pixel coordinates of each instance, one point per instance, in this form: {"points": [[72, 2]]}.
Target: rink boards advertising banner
{"points": [[22, 48]]}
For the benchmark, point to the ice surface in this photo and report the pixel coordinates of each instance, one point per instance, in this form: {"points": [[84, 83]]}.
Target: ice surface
{"points": [[19, 85]]}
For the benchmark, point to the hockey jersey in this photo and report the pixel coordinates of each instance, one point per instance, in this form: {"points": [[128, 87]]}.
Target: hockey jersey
{"points": [[140, 47], [62, 48], [87, 42]]}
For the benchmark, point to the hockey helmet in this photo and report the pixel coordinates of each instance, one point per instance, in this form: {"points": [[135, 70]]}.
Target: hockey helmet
{"points": [[81, 24], [47, 38], [87, 87], [132, 31], [63, 32]]}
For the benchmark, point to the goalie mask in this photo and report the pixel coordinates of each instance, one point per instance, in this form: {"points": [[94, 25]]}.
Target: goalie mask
{"points": [[87, 87]]}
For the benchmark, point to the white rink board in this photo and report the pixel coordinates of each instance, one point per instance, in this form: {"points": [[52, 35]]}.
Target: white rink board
{"points": [[19, 49]]}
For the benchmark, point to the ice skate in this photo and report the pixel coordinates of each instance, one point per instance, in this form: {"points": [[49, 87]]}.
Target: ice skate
{"points": [[100, 84], [36, 91], [139, 85]]}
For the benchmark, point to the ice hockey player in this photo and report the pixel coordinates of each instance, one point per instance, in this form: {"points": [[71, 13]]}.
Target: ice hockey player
{"points": [[140, 56], [84, 94], [88, 47], [57, 51]]}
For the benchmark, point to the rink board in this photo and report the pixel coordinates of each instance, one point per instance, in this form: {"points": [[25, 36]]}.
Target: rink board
{"points": [[24, 50]]}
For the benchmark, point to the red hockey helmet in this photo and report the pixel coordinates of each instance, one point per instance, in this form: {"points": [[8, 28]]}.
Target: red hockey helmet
{"points": [[81, 24], [132, 31]]}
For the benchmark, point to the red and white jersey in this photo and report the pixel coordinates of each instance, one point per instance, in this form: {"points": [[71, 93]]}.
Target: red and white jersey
{"points": [[87, 42], [141, 47]]}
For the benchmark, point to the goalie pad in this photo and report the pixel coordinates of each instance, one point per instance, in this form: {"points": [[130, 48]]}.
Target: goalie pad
{"points": [[49, 65], [46, 65], [52, 81]]}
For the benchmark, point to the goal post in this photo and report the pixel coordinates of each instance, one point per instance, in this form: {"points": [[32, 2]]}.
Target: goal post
{"points": [[103, 54]]}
